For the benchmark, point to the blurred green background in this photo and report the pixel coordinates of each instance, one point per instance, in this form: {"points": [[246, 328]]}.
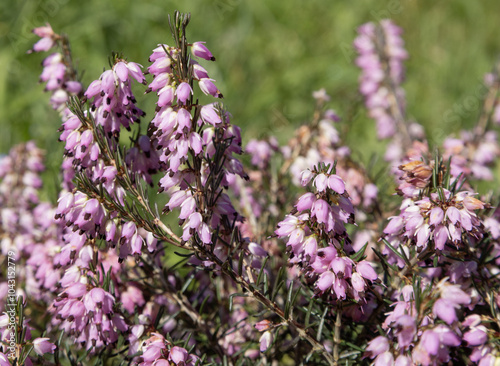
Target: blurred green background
{"points": [[271, 55]]}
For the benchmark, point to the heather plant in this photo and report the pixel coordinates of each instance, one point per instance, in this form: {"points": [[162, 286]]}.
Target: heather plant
{"points": [[297, 257]]}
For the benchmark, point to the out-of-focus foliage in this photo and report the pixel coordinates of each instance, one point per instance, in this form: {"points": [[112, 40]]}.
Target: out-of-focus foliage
{"points": [[271, 56]]}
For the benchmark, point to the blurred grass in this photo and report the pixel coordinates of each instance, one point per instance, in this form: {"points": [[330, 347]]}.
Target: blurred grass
{"points": [[271, 55]]}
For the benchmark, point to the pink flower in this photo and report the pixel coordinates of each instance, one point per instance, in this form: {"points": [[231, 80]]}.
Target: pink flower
{"points": [[377, 346], [199, 71], [44, 31], [3, 360], [430, 342], [209, 115], [263, 325], [305, 201], [436, 216], [394, 226], [403, 361], [320, 209], [358, 283], [326, 280], [445, 310], [321, 182], [183, 92], [305, 177], [178, 355], [200, 50], [265, 341], [476, 336], [384, 359], [406, 330], [42, 346], [365, 269], [336, 184], [208, 88]]}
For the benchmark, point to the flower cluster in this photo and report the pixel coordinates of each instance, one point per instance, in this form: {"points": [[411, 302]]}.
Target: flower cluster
{"points": [[105, 274], [417, 335], [192, 136], [113, 103], [472, 155], [157, 351], [381, 53], [435, 221], [321, 218], [321, 142], [57, 72], [26, 224], [87, 313]]}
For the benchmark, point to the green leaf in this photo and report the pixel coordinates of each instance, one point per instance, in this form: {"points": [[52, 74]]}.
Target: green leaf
{"points": [[261, 272], [356, 257], [308, 314], [239, 294], [321, 324], [288, 303]]}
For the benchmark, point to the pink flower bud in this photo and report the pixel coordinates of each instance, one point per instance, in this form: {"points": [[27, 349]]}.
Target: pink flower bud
{"points": [[205, 234], [195, 142], [200, 50], [178, 355], [325, 280], [121, 71], [199, 72], [76, 290], [476, 336], [183, 92], [305, 201], [176, 199], [165, 96], [44, 31], [407, 330], [394, 226], [445, 310], [385, 359], [365, 269], [44, 44], [453, 214], [183, 119], [436, 216], [128, 230], [134, 69], [472, 203], [358, 283], [310, 246], [336, 183], [320, 182], [208, 87], [403, 361], [265, 341], [263, 325], [209, 115], [321, 209], [187, 208], [377, 346], [42, 346], [454, 294], [159, 82], [430, 342], [65, 203], [305, 177], [257, 250]]}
